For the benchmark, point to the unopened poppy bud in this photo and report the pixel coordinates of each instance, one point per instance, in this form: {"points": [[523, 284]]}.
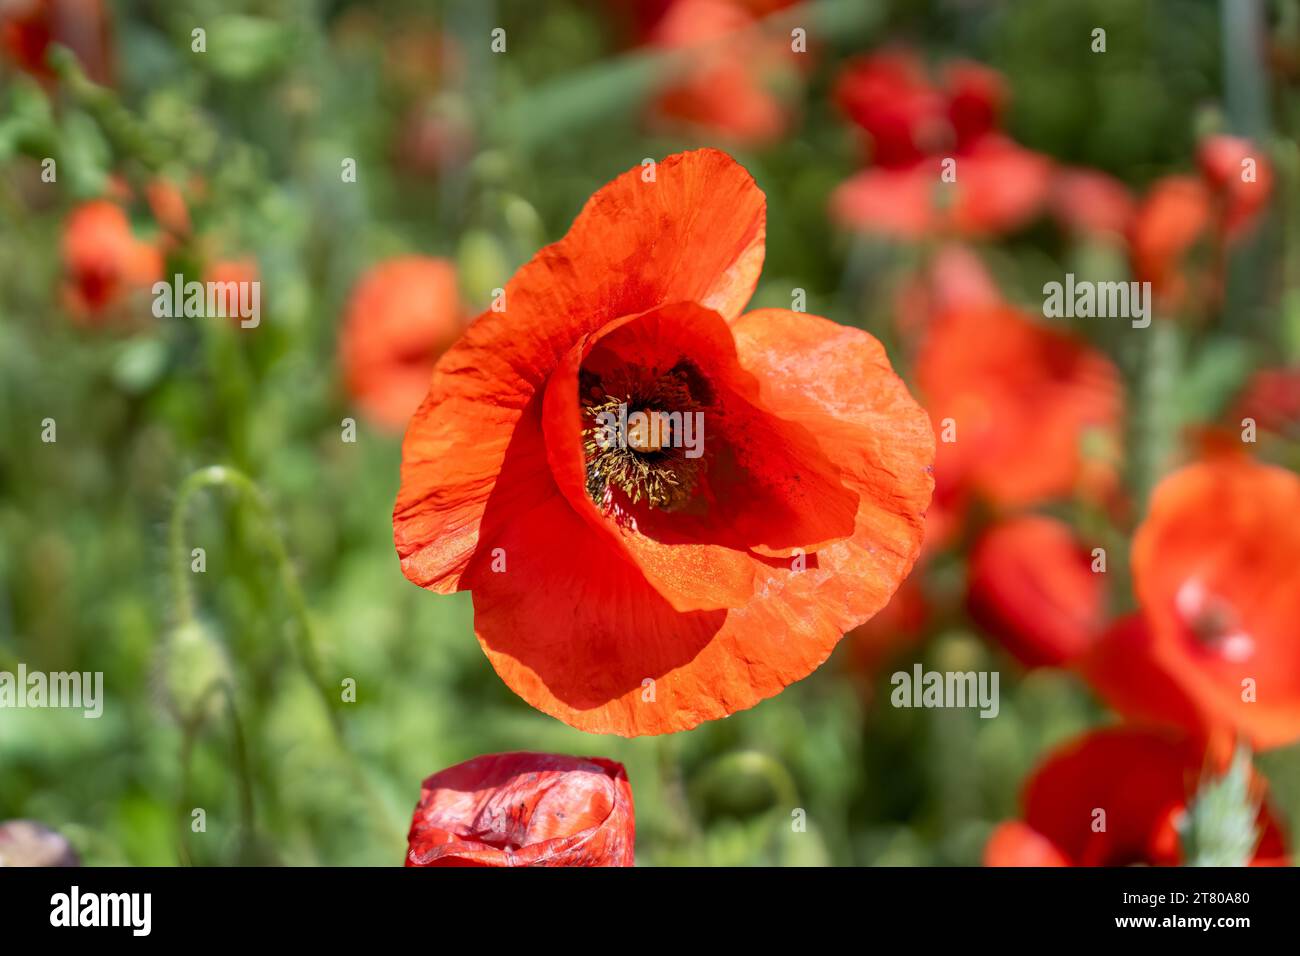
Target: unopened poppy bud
{"points": [[524, 809], [194, 664], [482, 265], [743, 784]]}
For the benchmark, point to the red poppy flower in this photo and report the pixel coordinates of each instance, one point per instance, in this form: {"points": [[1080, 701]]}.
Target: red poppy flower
{"points": [[913, 128], [1140, 780], [622, 586], [229, 275], [1216, 568], [1031, 585], [1183, 214], [1019, 398], [168, 205], [1272, 399], [401, 316], [1241, 178], [524, 809], [728, 88], [103, 260], [29, 27], [1171, 219], [953, 278]]}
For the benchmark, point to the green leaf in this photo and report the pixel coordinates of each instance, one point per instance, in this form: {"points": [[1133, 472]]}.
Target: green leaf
{"points": [[1219, 828]]}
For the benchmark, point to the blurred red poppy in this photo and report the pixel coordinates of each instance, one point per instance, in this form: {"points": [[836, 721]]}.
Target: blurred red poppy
{"points": [[1178, 235], [1090, 203], [104, 261], [1114, 798], [1240, 178], [1012, 401], [1170, 220], [914, 128], [402, 315], [954, 277], [168, 205], [731, 85], [229, 275], [1031, 586], [1272, 400], [29, 27], [629, 587], [525, 809], [1216, 569]]}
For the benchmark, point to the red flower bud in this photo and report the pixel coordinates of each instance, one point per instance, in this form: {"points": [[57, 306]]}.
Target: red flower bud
{"points": [[524, 809]]}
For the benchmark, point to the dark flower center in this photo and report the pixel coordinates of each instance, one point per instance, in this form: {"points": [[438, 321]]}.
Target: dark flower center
{"points": [[643, 434]]}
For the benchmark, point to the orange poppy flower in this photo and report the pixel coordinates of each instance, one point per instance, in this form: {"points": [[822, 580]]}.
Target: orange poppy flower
{"points": [[29, 27], [1180, 214], [914, 128], [402, 315], [1216, 568], [1031, 586], [169, 208], [524, 809], [1241, 178], [1170, 220], [229, 274], [103, 261], [1017, 397], [621, 585], [726, 89], [1142, 781], [954, 277]]}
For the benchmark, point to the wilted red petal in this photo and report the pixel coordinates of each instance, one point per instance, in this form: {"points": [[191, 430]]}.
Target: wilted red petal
{"points": [[524, 809]]}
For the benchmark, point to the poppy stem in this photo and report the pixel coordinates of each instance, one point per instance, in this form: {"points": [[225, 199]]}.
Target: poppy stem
{"points": [[220, 476], [1153, 423]]}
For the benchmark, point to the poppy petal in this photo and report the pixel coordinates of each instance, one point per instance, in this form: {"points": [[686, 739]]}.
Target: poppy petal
{"points": [[690, 229], [592, 643]]}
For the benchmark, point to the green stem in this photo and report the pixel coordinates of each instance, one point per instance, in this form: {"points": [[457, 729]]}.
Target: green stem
{"points": [[305, 639]]}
